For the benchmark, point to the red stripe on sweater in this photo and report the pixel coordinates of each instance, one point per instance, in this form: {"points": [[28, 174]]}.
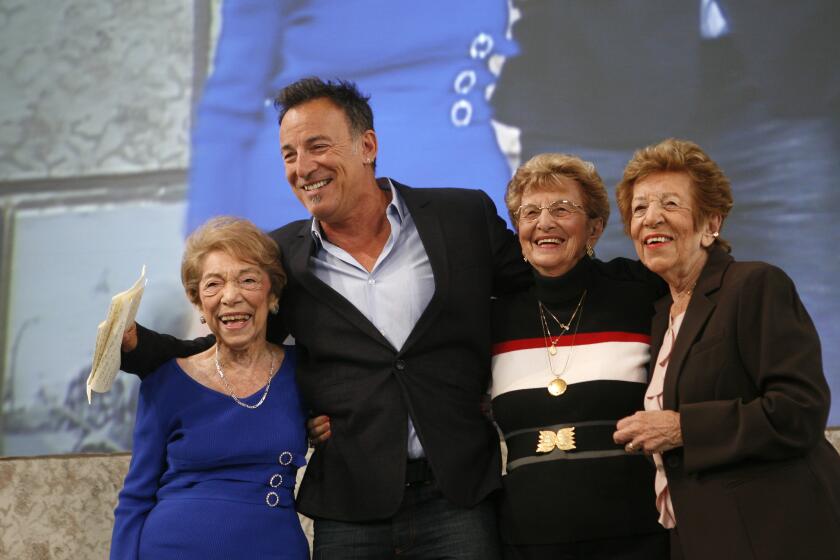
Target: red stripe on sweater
{"points": [[569, 339]]}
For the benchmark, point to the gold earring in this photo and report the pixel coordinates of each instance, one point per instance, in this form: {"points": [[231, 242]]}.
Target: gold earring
{"points": [[590, 252], [202, 320], [274, 308]]}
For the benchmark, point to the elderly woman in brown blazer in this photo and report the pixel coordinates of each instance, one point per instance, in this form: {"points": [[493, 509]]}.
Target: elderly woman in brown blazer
{"points": [[737, 404]]}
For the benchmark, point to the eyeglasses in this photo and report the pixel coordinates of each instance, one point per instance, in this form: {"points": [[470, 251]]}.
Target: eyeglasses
{"points": [[248, 283], [558, 210]]}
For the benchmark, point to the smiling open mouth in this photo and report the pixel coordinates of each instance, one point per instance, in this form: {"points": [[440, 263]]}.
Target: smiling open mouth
{"points": [[234, 319], [658, 239], [549, 241], [315, 186]]}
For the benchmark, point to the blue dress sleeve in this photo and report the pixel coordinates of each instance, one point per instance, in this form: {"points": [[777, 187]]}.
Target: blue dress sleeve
{"points": [[148, 463], [230, 116]]}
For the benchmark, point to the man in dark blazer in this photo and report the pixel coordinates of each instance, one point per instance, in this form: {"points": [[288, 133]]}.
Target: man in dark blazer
{"points": [[388, 300]]}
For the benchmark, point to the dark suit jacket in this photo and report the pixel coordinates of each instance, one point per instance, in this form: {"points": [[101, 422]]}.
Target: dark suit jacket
{"points": [[349, 371], [756, 477]]}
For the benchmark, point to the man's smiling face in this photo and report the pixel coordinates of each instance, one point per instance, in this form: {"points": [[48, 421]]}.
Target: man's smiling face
{"points": [[326, 164]]}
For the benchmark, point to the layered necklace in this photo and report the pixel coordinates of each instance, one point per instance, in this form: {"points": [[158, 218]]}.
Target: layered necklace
{"points": [[557, 386], [229, 389]]}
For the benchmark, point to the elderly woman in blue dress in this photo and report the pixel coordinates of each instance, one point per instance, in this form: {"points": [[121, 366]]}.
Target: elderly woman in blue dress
{"points": [[219, 435]]}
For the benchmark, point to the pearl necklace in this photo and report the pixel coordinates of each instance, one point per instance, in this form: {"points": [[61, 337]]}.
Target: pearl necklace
{"points": [[230, 389]]}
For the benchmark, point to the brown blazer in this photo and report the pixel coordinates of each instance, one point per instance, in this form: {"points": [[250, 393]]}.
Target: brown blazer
{"points": [[756, 477]]}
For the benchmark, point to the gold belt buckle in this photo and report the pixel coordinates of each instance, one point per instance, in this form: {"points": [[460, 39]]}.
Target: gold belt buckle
{"points": [[563, 439]]}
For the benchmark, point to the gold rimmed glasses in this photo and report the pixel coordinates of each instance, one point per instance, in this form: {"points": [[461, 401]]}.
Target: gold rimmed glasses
{"points": [[558, 210]]}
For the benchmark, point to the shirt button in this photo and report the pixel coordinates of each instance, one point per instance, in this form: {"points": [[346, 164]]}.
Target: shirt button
{"points": [[400, 365], [371, 281]]}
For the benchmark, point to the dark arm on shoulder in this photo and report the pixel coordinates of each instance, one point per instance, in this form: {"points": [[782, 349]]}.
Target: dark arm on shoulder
{"points": [[154, 349], [510, 273], [621, 268]]}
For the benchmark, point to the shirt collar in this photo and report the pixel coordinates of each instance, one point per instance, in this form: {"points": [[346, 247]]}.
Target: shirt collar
{"points": [[396, 209]]}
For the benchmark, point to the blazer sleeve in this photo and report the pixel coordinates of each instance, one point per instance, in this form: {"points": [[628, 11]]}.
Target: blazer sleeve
{"points": [[155, 349], [148, 463], [510, 273], [787, 411]]}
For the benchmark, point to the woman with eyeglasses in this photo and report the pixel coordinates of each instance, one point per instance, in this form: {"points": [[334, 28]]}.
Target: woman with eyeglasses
{"points": [[737, 404], [219, 435], [569, 360]]}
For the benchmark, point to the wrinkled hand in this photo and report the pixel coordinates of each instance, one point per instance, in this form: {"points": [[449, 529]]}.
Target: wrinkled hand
{"points": [[318, 429], [650, 431], [129, 340]]}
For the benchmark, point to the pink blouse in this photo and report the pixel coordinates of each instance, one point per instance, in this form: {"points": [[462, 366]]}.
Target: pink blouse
{"points": [[653, 401]]}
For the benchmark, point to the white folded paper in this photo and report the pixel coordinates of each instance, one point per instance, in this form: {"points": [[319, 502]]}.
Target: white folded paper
{"points": [[106, 355]]}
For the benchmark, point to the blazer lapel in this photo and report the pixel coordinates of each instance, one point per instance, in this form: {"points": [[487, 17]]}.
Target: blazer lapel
{"points": [[427, 222], [298, 260], [659, 325], [696, 315]]}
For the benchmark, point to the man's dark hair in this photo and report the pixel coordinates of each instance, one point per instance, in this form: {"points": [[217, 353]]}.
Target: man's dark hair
{"points": [[343, 93]]}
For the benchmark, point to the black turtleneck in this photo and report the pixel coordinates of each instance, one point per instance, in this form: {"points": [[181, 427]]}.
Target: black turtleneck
{"points": [[595, 491]]}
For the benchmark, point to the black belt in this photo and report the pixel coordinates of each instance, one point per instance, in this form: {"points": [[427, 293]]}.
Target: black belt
{"points": [[592, 439], [417, 471]]}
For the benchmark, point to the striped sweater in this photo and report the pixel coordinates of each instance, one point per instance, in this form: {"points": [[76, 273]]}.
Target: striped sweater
{"points": [[595, 490]]}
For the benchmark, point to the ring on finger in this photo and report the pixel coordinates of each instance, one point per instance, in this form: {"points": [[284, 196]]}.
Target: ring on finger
{"points": [[630, 448]]}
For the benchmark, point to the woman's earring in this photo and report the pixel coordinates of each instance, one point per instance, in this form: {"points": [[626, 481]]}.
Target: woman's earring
{"points": [[274, 308], [714, 235], [202, 320], [525, 259], [590, 252]]}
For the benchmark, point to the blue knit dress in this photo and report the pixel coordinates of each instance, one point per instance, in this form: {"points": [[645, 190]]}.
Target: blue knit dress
{"points": [[209, 478]]}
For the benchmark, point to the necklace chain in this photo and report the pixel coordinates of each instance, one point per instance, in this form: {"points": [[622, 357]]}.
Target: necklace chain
{"points": [[679, 301], [557, 386], [564, 327], [685, 293], [230, 389]]}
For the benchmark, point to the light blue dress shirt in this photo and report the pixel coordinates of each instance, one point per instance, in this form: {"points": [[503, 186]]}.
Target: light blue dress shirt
{"points": [[395, 293]]}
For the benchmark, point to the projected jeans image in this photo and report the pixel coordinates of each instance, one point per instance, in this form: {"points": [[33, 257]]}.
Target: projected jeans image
{"points": [[750, 81]]}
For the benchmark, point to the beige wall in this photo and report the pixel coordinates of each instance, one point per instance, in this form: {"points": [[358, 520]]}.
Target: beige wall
{"points": [[62, 507]]}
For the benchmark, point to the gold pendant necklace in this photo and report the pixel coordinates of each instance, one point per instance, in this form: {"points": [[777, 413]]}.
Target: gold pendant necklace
{"points": [[557, 386]]}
